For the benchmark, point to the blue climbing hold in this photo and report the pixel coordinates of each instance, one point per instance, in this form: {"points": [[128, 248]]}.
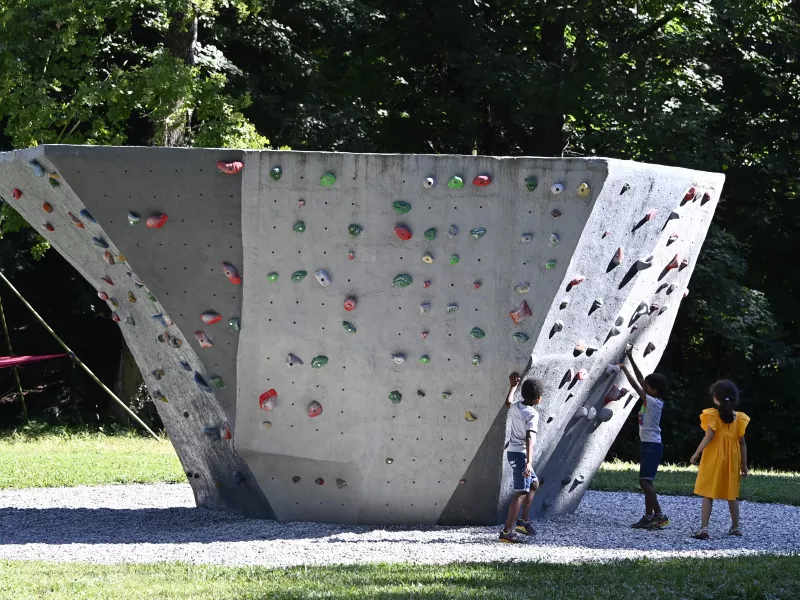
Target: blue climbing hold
{"points": [[88, 216], [201, 383], [100, 242], [38, 169]]}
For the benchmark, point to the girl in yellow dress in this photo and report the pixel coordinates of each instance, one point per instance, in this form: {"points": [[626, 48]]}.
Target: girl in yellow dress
{"points": [[724, 453]]}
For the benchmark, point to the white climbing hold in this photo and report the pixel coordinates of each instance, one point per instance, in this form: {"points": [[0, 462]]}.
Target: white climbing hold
{"points": [[642, 309], [323, 278], [522, 288], [293, 360], [581, 412], [398, 359], [612, 369], [592, 414], [526, 237], [557, 188], [429, 182]]}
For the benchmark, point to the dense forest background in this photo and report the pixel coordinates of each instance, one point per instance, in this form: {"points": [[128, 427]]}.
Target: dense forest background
{"points": [[710, 84]]}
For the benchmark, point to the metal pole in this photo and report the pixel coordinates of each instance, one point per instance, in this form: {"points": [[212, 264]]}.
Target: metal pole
{"points": [[75, 358], [16, 371]]}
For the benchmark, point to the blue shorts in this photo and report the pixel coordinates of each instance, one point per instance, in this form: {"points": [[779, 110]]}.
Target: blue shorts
{"points": [[651, 458], [517, 461]]}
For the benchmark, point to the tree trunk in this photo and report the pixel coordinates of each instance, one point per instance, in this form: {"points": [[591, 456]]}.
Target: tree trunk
{"points": [[180, 40]]}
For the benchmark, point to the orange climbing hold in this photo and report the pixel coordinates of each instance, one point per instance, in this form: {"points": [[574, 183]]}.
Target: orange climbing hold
{"points": [[482, 181], [108, 257], [16, 194], [231, 273], [267, 400], [47, 207], [403, 232], [350, 304], [674, 263], [314, 409], [203, 340], [230, 168], [156, 221], [522, 312], [76, 221]]}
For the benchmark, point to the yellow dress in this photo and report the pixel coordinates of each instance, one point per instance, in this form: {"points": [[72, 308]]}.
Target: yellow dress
{"points": [[720, 466]]}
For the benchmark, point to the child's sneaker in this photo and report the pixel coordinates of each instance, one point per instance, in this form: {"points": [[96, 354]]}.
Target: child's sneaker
{"points": [[659, 522], [701, 534], [643, 523], [509, 537], [525, 527]]}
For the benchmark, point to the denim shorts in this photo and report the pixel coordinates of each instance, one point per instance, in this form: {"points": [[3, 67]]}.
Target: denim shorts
{"points": [[651, 458], [517, 461]]}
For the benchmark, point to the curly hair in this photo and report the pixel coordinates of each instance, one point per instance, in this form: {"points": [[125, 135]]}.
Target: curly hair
{"points": [[532, 389], [659, 383]]}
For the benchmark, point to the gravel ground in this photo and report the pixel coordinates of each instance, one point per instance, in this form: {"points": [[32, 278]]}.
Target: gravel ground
{"points": [[153, 523]]}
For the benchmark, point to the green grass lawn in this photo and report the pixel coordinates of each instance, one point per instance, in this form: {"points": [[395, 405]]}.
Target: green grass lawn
{"points": [[748, 578]]}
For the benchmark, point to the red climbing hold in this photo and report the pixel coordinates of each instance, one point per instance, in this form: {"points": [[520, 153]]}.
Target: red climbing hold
{"points": [[613, 394], [319, 481], [16, 194], [102, 295], [350, 304], [672, 237], [49, 227], [230, 168], [618, 256], [651, 214], [649, 348], [690, 193], [301, 203], [115, 317], [685, 292], [606, 234], [47, 207], [482, 180], [76, 221], [674, 263], [424, 335], [210, 317], [522, 312], [314, 409], [108, 257], [225, 432], [156, 221], [577, 279], [267, 400], [231, 273], [203, 340], [403, 232], [684, 263], [476, 285], [107, 280], [351, 255], [426, 284], [582, 374]]}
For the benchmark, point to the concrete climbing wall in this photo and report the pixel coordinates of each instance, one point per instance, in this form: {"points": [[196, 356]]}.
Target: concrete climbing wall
{"points": [[367, 381]]}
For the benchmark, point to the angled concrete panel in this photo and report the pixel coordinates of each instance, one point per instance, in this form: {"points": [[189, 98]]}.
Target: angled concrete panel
{"points": [[434, 454]]}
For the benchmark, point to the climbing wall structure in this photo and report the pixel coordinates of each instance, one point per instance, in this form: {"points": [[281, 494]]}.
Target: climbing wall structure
{"points": [[328, 336]]}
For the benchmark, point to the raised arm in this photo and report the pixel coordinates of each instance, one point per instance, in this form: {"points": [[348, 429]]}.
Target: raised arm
{"points": [[632, 380], [639, 376], [706, 441], [513, 380]]}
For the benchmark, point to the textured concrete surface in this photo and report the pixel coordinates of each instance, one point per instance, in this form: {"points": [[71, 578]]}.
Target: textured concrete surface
{"points": [[366, 459]]}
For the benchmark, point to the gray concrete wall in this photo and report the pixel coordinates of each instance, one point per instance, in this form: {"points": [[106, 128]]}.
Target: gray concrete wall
{"points": [[419, 460]]}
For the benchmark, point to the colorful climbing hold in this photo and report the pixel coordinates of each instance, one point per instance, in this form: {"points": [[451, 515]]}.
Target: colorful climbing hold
{"points": [[113, 302], [354, 229], [299, 227], [293, 361], [272, 277], [108, 257], [319, 361], [201, 383], [649, 348], [482, 181], [424, 359], [554, 239], [525, 237], [351, 255], [522, 288], [327, 180], [323, 278], [654, 307], [49, 227], [689, 195], [581, 412], [672, 238], [684, 264], [454, 260], [614, 394], [99, 242], [674, 263], [577, 280], [446, 395], [619, 256], [156, 220], [88, 216], [555, 213], [267, 400], [520, 337], [350, 304], [550, 264], [107, 279], [557, 188], [477, 233], [217, 382], [455, 183], [301, 203], [275, 173], [395, 397], [115, 317], [299, 275], [477, 333], [402, 232], [558, 326], [401, 207], [231, 273], [235, 324], [424, 335], [230, 168], [606, 234], [47, 207], [469, 416], [212, 432], [314, 409], [429, 182], [389, 461], [402, 280], [685, 292], [133, 218], [651, 214], [522, 312], [452, 231], [476, 359], [102, 295], [424, 308], [38, 169], [582, 374], [451, 308], [564, 303], [210, 317], [706, 197], [583, 190], [76, 221], [476, 285], [531, 183], [427, 283], [203, 339], [131, 297], [430, 234], [348, 327], [16, 194]]}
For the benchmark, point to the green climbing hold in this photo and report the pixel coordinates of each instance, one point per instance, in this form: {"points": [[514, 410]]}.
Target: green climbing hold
{"points": [[446, 395], [402, 280], [236, 324], [327, 180], [425, 359], [454, 260], [395, 397], [299, 275], [520, 337], [477, 333], [401, 207], [354, 229], [275, 173], [299, 227], [550, 264], [273, 277], [477, 233], [151, 297], [455, 183], [476, 360], [430, 234], [531, 183], [54, 182], [348, 327], [217, 382], [319, 361]]}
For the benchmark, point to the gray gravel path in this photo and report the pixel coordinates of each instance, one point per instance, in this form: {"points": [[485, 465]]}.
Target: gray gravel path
{"points": [[153, 523]]}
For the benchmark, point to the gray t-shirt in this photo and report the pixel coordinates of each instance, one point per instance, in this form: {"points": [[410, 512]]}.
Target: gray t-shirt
{"points": [[649, 419], [524, 418]]}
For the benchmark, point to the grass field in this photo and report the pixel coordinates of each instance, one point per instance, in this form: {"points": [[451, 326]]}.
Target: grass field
{"points": [[748, 578], [56, 457]]}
